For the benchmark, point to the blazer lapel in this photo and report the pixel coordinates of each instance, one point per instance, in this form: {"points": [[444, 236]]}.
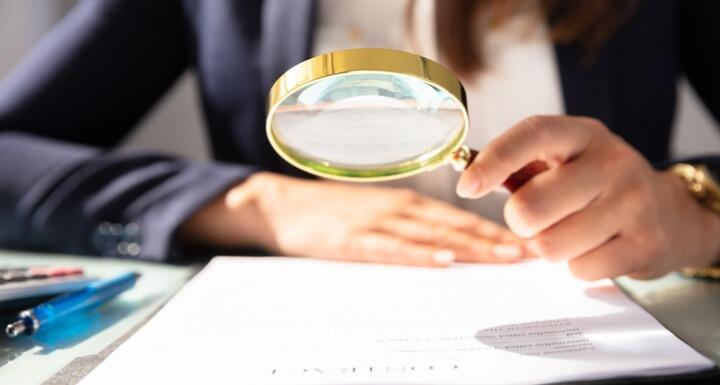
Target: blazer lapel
{"points": [[589, 87], [287, 27]]}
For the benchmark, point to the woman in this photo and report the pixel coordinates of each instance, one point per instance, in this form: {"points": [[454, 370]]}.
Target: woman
{"points": [[589, 195]]}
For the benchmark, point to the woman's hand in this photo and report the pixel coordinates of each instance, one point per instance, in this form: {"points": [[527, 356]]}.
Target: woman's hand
{"points": [[596, 202], [329, 220]]}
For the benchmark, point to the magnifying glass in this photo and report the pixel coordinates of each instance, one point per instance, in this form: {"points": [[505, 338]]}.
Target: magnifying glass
{"points": [[369, 114]]}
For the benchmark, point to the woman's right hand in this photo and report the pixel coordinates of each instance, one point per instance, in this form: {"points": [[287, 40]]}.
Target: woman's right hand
{"points": [[328, 220]]}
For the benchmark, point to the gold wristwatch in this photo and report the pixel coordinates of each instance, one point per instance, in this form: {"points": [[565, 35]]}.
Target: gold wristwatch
{"points": [[704, 185]]}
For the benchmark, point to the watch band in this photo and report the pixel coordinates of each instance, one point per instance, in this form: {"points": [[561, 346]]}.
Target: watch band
{"points": [[703, 186], [704, 273], [700, 183]]}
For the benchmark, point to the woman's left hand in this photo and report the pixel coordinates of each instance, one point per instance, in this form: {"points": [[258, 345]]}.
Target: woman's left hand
{"points": [[595, 202]]}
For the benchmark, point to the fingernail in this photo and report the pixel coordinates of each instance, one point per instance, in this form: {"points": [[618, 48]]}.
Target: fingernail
{"points": [[468, 186], [444, 256], [507, 251]]}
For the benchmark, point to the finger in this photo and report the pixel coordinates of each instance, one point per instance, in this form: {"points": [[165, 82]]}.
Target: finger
{"points": [[377, 247], [489, 251], [467, 247], [442, 213], [648, 273], [579, 233], [552, 139], [615, 258], [552, 196], [520, 177]]}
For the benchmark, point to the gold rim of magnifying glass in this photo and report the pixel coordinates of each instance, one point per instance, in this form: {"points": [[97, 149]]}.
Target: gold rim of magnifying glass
{"points": [[367, 60]]}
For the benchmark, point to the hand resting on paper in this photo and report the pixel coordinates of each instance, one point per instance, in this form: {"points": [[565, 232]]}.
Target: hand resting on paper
{"points": [[328, 220], [596, 203]]}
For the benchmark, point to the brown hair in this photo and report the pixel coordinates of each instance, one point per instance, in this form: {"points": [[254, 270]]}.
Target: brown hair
{"points": [[588, 22]]}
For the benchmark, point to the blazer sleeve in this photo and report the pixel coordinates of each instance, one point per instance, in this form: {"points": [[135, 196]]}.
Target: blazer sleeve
{"points": [[62, 188], [77, 199], [699, 42], [700, 58], [97, 72]]}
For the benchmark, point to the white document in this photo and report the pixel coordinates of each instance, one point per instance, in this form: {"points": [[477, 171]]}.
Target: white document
{"points": [[296, 321]]}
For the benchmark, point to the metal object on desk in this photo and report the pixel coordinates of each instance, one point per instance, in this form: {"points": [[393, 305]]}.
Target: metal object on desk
{"points": [[688, 307]]}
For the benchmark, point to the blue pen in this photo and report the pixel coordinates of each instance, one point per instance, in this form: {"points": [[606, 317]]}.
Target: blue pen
{"points": [[94, 293]]}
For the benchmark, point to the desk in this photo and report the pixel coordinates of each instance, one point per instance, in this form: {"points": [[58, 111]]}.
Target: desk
{"points": [[690, 308], [64, 358]]}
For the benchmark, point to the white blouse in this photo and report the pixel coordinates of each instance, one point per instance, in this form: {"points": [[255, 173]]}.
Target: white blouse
{"points": [[519, 79]]}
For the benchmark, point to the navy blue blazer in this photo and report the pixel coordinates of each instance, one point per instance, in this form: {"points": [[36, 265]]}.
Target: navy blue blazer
{"points": [[86, 85]]}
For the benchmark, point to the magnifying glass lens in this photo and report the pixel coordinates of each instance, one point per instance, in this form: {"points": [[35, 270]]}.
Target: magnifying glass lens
{"points": [[367, 124]]}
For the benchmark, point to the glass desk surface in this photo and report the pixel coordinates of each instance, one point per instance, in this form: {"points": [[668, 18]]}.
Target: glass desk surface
{"points": [[77, 344]]}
